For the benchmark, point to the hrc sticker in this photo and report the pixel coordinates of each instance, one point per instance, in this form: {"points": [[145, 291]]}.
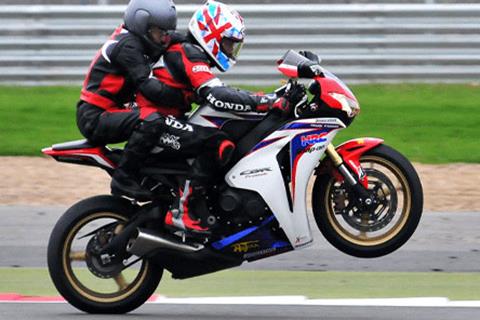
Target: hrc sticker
{"points": [[312, 139]]}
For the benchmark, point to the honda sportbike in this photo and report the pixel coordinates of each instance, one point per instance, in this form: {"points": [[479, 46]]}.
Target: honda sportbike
{"points": [[107, 254]]}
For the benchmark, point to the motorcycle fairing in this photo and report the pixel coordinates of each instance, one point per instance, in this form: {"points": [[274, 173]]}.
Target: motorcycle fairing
{"points": [[260, 171], [95, 156], [256, 242]]}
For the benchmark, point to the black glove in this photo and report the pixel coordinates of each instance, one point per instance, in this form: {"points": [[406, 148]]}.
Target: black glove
{"points": [[310, 56], [309, 69], [295, 93]]}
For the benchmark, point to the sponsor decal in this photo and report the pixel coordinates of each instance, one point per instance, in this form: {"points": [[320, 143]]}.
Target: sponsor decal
{"points": [[172, 122], [245, 246], [200, 68], [171, 141], [312, 139], [228, 105], [256, 172], [316, 148], [264, 100], [330, 126], [323, 120]]}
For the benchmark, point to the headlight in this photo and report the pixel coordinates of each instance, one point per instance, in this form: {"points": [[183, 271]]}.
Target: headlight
{"points": [[349, 106]]}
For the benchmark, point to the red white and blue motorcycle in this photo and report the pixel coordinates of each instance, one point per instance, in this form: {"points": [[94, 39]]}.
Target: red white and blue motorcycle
{"points": [[107, 254]]}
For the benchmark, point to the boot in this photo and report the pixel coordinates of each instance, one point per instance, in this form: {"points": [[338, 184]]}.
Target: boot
{"points": [[191, 214], [125, 183], [184, 216], [126, 178]]}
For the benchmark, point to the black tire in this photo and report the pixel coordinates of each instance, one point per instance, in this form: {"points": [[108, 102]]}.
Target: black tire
{"points": [[337, 226], [129, 297]]}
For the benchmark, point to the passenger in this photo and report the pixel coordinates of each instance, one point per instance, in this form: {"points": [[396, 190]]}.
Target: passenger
{"points": [[121, 68]]}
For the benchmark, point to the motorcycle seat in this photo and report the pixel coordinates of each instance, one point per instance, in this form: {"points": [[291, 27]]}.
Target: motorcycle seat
{"points": [[77, 144]]}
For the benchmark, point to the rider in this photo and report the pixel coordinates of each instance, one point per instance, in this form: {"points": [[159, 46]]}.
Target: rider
{"points": [[215, 37], [121, 68]]}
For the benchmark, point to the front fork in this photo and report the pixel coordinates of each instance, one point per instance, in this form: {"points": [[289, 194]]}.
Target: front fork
{"points": [[357, 183]]}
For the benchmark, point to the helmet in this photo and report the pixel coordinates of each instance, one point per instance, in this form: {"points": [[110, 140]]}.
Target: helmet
{"points": [[141, 15], [220, 31]]}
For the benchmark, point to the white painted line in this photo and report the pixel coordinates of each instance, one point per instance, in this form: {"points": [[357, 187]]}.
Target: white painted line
{"points": [[302, 300], [265, 300], [441, 302]]}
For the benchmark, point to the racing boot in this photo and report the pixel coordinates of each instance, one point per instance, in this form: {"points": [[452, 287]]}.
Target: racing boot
{"points": [[191, 213], [126, 183], [182, 216]]}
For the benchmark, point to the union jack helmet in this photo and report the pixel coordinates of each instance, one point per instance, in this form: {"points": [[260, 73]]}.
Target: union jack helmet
{"points": [[220, 31]]}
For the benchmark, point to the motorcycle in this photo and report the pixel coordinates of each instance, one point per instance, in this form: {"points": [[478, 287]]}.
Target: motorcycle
{"points": [[107, 254]]}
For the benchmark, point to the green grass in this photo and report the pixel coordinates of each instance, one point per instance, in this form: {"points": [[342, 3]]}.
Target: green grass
{"points": [[428, 123], [455, 286], [32, 118]]}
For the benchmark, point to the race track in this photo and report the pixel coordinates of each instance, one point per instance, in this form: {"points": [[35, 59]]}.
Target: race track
{"points": [[242, 312], [447, 242]]}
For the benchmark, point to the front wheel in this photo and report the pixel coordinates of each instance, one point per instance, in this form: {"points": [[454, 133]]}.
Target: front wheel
{"points": [[379, 229], [90, 281]]}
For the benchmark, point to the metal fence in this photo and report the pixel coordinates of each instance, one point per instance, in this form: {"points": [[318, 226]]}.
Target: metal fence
{"points": [[360, 43]]}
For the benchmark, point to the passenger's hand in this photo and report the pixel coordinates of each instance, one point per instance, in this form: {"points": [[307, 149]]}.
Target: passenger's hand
{"points": [[309, 69]]}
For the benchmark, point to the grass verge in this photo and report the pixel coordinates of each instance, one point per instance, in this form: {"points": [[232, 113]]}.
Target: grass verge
{"points": [[428, 123], [455, 286]]}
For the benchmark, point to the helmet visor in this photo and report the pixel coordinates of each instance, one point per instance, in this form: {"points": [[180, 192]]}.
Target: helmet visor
{"points": [[231, 47]]}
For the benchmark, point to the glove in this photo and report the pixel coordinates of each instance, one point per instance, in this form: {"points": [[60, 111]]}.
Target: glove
{"points": [[273, 102], [309, 69], [310, 56], [282, 105], [295, 93]]}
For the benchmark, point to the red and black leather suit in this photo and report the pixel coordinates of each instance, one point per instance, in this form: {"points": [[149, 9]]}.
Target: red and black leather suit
{"points": [[120, 68], [187, 67]]}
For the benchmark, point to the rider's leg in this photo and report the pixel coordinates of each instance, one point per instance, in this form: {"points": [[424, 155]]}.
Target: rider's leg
{"points": [[126, 179], [191, 212], [103, 127]]}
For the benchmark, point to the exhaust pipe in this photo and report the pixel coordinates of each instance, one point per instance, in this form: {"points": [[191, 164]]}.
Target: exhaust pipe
{"points": [[144, 243]]}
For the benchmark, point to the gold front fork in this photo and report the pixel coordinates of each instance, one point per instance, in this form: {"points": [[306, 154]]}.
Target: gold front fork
{"points": [[338, 162], [333, 154]]}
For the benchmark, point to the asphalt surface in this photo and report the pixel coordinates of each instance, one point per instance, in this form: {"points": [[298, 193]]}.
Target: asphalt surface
{"points": [[443, 242], [447, 242], [235, 312]]}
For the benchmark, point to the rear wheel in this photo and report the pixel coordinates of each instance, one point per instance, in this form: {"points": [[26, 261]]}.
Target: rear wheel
{"points": [[90, 281], [378, 229]]}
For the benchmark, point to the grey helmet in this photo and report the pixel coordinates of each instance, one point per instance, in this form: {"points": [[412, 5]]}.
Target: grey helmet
{"points": [[140, 15]]}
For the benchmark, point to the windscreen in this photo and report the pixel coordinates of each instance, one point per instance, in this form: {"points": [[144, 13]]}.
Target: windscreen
{"points": [[292, 58]]}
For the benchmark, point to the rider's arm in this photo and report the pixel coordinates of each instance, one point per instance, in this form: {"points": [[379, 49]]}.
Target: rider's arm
{"points": [[190, 65], [129, 54], [225, 98]]}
